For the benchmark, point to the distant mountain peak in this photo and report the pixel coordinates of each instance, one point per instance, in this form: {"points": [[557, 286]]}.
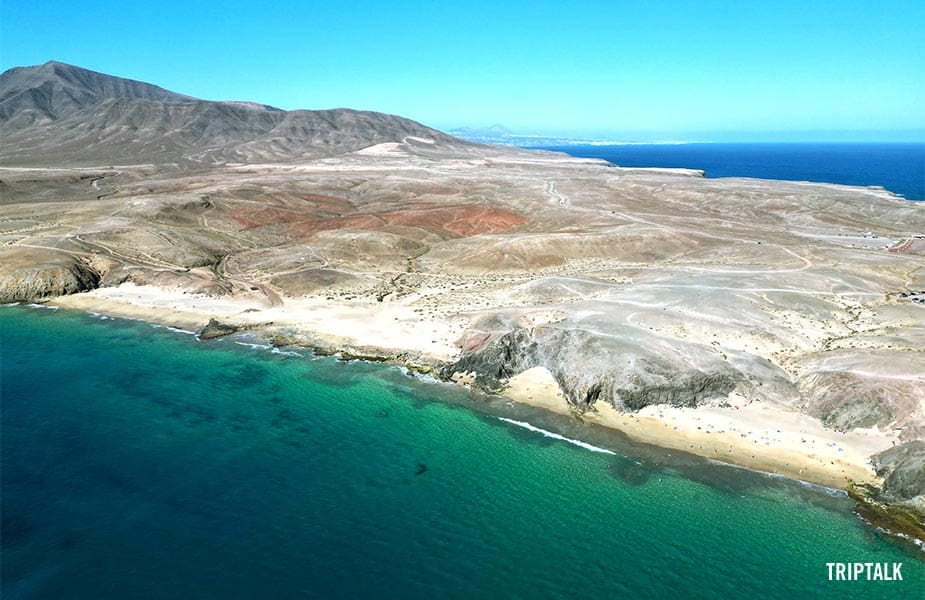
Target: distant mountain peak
{"points": [[55, 90], [496, 130], [499, 128]]}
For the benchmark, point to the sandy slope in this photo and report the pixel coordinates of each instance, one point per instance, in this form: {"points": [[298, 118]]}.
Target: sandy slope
{"points": [[363, 324], [750, 434]]}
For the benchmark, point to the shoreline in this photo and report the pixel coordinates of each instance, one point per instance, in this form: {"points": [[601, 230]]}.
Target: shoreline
{"points": [[376, 329], [796, 446], [737, 432]]}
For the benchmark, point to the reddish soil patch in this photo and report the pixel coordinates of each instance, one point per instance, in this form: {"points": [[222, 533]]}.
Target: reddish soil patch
{"points": [[250, 217], [472, 341], [304, 221], [301, 224], [283, 209], [309, 227], [910, 246]]}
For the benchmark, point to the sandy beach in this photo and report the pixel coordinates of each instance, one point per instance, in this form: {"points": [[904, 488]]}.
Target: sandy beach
{"points": [[389, 328], [745, 432], [752, 434]]}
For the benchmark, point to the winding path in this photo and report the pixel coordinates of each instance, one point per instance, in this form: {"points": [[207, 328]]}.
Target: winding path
{"points": [[95, 184], [561, 198]]}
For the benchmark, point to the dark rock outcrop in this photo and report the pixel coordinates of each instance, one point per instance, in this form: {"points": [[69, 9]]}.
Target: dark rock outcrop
{"points": [[898, 506], [216, 329], [500, 358], [37, 274], [846, 399], [903, 471], [685, 389], [591, 367]]}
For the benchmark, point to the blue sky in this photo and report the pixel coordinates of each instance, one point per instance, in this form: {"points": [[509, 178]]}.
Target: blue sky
{"points": [[625, 69]]}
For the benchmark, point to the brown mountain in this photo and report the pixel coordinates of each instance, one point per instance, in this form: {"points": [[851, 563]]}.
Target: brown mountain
{"points": [[62, 114]]}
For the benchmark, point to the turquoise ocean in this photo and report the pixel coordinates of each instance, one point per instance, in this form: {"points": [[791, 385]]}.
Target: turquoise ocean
{"points": [[139, 462]]}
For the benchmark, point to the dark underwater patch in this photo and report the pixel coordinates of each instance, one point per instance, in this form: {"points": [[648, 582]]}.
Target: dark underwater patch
{"points": [[629, 471], [15, 529]]}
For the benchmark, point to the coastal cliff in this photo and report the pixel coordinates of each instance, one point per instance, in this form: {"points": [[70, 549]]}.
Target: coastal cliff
{"points": [[903, 471], [591, 367], [37, 274]]}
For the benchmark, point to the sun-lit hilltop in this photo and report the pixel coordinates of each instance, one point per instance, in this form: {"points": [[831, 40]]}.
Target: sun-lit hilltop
{"points": [[62, 114]]}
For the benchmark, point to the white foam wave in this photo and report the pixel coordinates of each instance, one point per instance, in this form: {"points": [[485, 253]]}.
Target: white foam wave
{"points": [[284, 352], [428, 378], [33, 305], [919, 544], [818, 487], [807, 484], [556, 436], [255, 346], [272, 349], [159, 326], [178, 330]]}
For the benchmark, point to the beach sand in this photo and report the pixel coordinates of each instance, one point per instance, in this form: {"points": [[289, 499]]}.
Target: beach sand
{"points": [[362, 323], [752, 434]]}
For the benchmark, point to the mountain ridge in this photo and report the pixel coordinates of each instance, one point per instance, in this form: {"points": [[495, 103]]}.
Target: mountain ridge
{"points": [[57, 113]]}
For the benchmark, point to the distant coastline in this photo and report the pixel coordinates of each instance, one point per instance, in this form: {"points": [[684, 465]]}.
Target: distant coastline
{"points": [[897, 167]]}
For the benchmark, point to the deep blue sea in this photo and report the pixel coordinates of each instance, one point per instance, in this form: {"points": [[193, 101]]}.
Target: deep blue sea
{"points": [[898, 167], [139, 462]]}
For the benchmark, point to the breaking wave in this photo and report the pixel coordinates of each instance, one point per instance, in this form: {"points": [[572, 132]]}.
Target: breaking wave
{"points": [[556, 436]]}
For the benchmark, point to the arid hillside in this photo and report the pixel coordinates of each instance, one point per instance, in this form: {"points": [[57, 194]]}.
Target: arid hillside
{"points": [[61, 114]]}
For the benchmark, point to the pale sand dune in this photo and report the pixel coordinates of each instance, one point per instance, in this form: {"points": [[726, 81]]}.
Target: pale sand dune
{"points": [[755, 435], [385, 148], [360, 323], [89, 302]]}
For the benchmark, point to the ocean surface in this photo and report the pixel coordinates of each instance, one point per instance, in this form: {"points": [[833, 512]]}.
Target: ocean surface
{"points": [[898, 167], [139, 462]]}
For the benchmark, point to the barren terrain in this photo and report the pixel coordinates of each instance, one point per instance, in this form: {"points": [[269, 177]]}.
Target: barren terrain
{"points": [[643, 291]]}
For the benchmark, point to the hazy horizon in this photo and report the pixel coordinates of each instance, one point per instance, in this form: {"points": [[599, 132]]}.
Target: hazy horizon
{"points": [[671, 72], [910, 136]]}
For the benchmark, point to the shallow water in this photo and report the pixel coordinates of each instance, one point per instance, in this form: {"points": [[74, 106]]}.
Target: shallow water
{"points": [[139, 462]]}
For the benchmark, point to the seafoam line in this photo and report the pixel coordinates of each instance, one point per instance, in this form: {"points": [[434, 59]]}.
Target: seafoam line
{"points": [[556, 436], [271, 349], [255, 346], [178, 330]]}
